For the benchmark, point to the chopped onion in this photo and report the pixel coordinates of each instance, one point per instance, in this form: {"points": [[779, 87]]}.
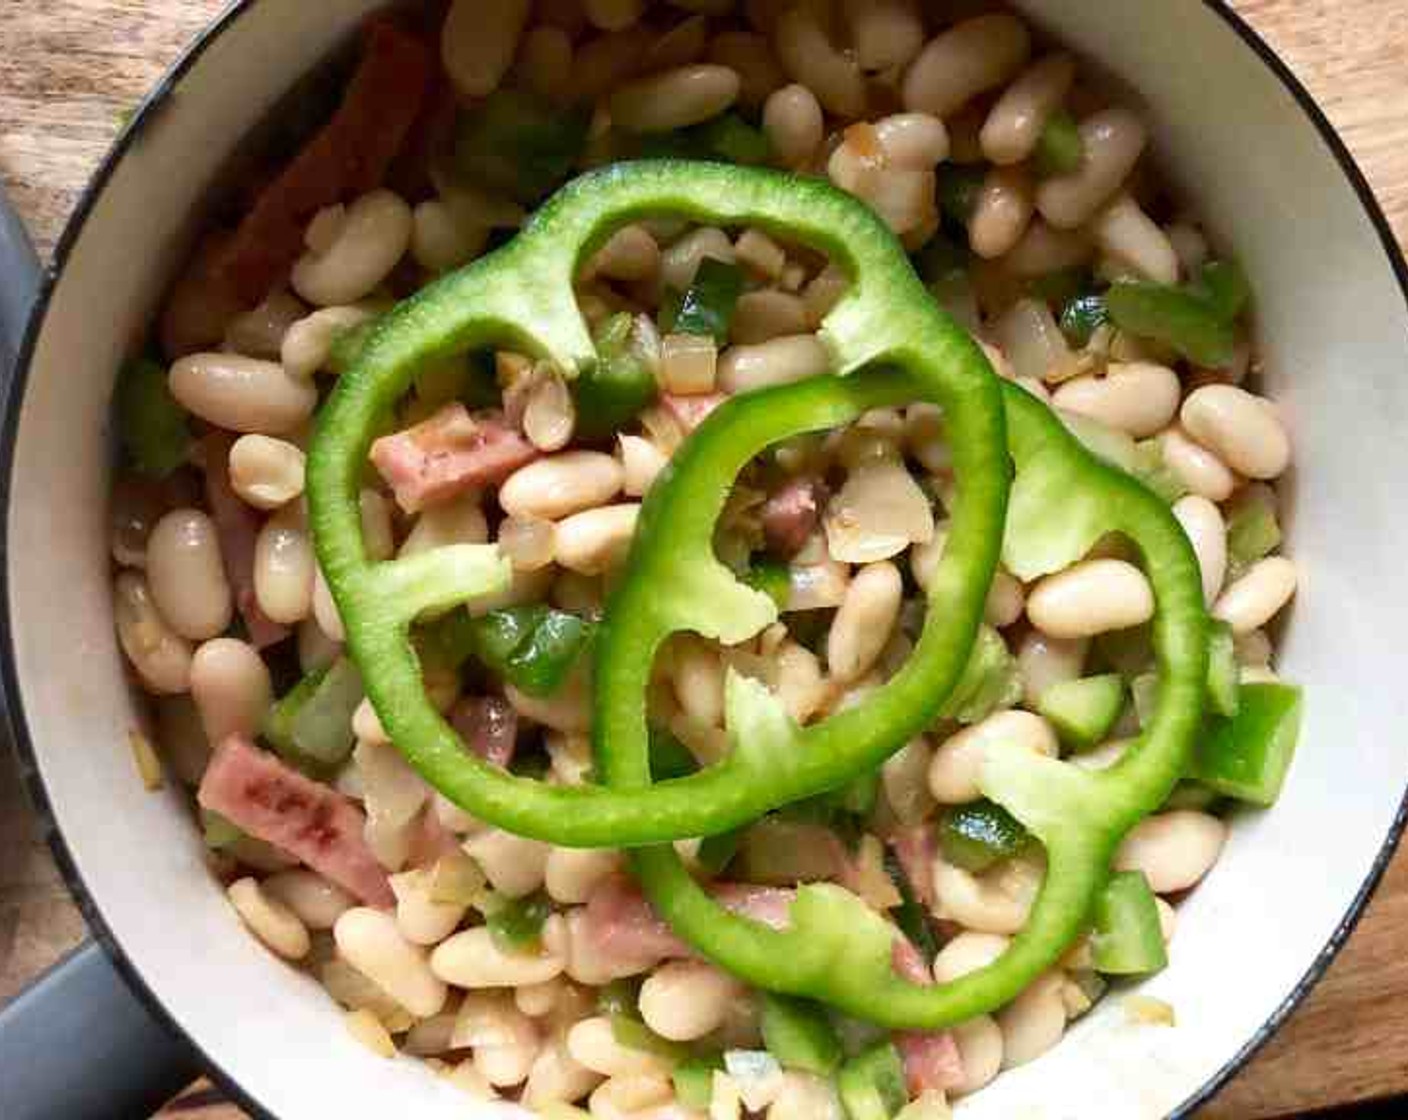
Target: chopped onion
{"points": [[1148, 1010], [879, 512], [930, 1105], [528, 542], [904, 776], [456, 880], [392, 793], [688, 363], [868, 878], [1033, 343], [641, 462], [725, 1097], [758, 1075]]}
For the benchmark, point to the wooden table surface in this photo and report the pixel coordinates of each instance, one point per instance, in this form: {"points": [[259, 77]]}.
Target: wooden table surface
{"points": [[69, 70]]}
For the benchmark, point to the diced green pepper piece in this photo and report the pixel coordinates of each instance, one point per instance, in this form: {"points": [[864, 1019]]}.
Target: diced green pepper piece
{"points": [[1059, 149], [669, 758], [958, 191], [1246, 757], [716, 852], [772, 578], [520, 145], [151, 425], [976, 836], [619, 997], [990, 680], [219, 832], [278, 721], [630, 1031], [496, 634], [734, 140], [694, 1081], [781, 852], [1172, 316], [321, 731], [799, 1035], [517, 925], [1151, 469], [1223, 686], [1127, 939], [1081, 316], [909, 916], [621, 382], [872, 1084], [708, 303], [1144, 692], [531, 647], [1225, 287], [1083, 711], [1252, 531]]}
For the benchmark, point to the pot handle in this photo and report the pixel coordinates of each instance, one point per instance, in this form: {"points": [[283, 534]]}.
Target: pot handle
{"points": [[76, 1043]]}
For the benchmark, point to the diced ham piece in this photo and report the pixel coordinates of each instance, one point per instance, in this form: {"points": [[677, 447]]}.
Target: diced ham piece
{"points": [[914, 848], [272, 802], [237, 526], [347, 158], [489, 725], [931, 1058], [691, 411], [447, 454], [790, 515]]}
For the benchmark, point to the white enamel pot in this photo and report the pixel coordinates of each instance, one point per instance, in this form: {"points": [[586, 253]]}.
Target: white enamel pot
{"points": [[1239, 137]]}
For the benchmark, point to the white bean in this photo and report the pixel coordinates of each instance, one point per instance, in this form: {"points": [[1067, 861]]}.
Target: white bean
{"points": [[187, 575], [421, 919], [1243, 430], [765, 314], [697, 673], [1033, 1022], [284, 566], [460, 520], [685, 1000], [760, 254], [793, 124], [805, 1096], [1207, 533], [1015, 123], [545, 62], [317, 902], [592, 1043], [514, 865], [1044, 661], [266, 472], [630, 254], [604, 62], [1168, 919], [1090, 598], [612, 15], [1130, 236], [996, 901], [965, 60], [639, 1097], [567, 710], [675, 99], [269, 920], [958, 761], [641, 461], [242, 394], [912, 141], [1258, 596], [373, 236], [812, 60], [1002, 212], [231, 687], [968, 952], [442, 238], [572, 874], [308, 342], [473, 959], [864, 621], [161, 657], [562, 484], [596, 540], [325, 609], [1174, 850], [504, 1040], [884, 33], [1111, 142], [1138, 398], [1196, 467], [370, 942], [979, 1042], [1190, 245], [557, 1076], [775, 362], [478, 42]]}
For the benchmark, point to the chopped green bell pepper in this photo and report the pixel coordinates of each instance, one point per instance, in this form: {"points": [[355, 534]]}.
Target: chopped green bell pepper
{"points": [[532, 647], [694, 1081], [517, 924], [1174, 317], [153, 428], [621, 383], [706, 306], [1247, 756], [1082, 316], [1083, 711], [1059, 148], [516, 144], [1128, 938], [872, 1085], [799, 1035], [976, 836], [312, 723], [1252, 531]]}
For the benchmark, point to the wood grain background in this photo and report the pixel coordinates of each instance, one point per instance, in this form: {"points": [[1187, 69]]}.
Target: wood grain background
{"points": [[70, 70]]}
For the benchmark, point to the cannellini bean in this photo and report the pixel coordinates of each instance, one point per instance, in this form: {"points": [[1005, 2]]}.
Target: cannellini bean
{"points": [[368, 1030], [760, 254], [884, 33], [1168, 919], [912, 141], [317, 902], [996, 901], [1044, 661], [269, 920], [242, 394], [284, 566], [1196, 467], [630, 254], [1006, 600], [1090, 598], [549, 416], [1174, 850], [161, 656], [260, 330], [864, 621], [968, 952], [680, 261], [763, 315], [793, 124], [800, 684], [529, 543], [1138, 398], [1207, 533], [1015, 123], [634, 1098], [817, 586], [561, 484], [641, 461], [441, 237], [308, 342], [187, 575], [596, 540], [979, 1042], [685, 1000], [698, 677], [572, 874], [1044, 249], [812, 60], [477, 43], [325, 609], [557, 1076], [775, 362], [592, 1044], [373, 235], [421, 919], [266, 472], [231, 687], [675, 99], [504, 1040], [1258, 596], [612, 15], [1243, 430], [958, 760], [1033, 1022], [370, 942], [824, 292], [1002, 212], [960, 63], [1129, 235], [1112, 141], [473, 959], [514, 865], [604, 62], [366, 725]]}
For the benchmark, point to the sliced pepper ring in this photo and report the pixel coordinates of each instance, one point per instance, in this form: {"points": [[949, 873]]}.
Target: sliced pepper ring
{"points": [[522, 295], [838, 950]]}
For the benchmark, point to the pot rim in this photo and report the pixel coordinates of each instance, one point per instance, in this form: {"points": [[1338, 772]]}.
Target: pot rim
{"points": [[12, 397]]}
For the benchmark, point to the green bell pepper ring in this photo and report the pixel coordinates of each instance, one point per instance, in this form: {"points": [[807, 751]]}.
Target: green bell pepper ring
{"points": [[839, 951], [521, 295]]}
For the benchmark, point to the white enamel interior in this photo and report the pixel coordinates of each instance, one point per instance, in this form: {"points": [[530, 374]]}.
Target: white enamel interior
{"points": [[1336, 345]]}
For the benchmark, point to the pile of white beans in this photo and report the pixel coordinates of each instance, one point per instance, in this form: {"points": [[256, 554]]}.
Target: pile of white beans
{"points": [[875, 94]]}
